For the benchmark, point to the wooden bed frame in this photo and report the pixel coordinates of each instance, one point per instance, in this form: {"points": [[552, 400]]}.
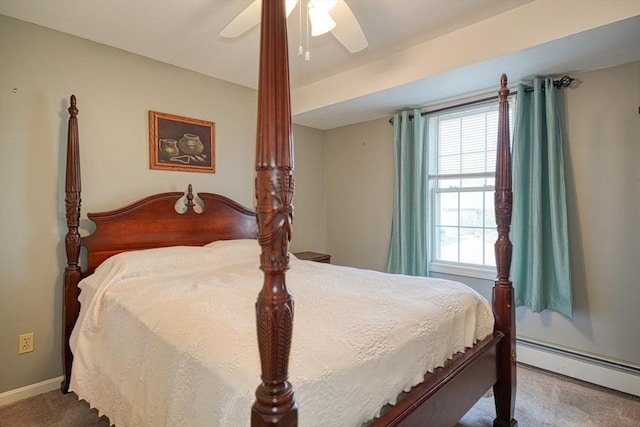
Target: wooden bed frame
{"points": [[444, 396]]}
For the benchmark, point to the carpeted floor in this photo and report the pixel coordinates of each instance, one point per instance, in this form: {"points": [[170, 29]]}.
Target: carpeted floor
{"points": [[543, 399], [550, 400]]}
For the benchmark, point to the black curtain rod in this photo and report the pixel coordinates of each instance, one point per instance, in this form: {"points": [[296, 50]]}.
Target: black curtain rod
{"points": [[564, 81]]}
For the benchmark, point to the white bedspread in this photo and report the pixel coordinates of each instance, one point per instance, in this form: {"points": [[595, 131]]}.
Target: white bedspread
{"points": [[166, 337]]}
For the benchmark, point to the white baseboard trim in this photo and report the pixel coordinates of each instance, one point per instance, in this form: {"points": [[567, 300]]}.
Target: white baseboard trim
{"points": [[621, 379], [12, 396]]}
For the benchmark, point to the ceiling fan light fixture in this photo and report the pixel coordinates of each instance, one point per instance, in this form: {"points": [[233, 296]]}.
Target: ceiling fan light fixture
{"points": [[321, 22], [315, 17]]}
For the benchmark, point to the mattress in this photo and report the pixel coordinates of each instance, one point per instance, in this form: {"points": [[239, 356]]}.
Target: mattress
{"points": [[166, 337]]}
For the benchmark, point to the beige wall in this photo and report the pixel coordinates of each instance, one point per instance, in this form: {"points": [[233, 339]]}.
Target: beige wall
{"points": [[603, 189], [359, 193], [39, 70], [603, 179], [309, 210]]}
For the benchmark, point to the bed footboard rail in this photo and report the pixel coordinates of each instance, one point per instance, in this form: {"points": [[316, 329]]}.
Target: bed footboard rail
{"points": [[446, 394]]}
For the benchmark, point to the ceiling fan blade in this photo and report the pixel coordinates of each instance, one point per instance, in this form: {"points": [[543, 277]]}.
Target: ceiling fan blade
{"points": [[249, 18], [246, 20], [347, 29]]}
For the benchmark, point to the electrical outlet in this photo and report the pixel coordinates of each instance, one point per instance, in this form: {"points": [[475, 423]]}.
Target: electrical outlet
{"points": [[25, 343]]}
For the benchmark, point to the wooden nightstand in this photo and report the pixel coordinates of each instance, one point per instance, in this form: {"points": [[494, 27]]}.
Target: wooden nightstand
{"points": [[313, 256]]}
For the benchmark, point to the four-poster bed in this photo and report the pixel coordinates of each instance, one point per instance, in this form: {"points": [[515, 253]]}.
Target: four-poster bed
{"points": [[441, 398]]}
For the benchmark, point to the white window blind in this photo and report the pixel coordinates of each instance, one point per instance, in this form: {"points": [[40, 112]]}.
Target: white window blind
{"points": [[462, 156]]}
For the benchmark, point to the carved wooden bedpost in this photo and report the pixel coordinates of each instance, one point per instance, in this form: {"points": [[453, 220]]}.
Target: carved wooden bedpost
{"points": [[72, 272], [504, 307], [275, 404]]}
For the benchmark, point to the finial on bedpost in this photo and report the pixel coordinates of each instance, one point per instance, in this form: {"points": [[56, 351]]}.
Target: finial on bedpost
{"points": [[503, 295], [275, 404], [73, 110], [72, 272], [189, 203]]}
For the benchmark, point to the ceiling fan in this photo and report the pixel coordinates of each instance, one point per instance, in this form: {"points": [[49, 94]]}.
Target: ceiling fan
{"points": [[323, 15]]}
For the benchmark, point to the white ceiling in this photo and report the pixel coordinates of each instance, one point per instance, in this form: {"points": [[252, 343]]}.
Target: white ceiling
{"points": [[420, 51]]}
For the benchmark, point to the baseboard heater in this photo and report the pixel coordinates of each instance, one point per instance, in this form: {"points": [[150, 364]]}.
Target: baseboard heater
{"points": [[615, 375]]}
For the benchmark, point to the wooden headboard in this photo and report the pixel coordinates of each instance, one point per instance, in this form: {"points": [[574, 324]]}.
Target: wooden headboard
{"points": [[154, 222]]}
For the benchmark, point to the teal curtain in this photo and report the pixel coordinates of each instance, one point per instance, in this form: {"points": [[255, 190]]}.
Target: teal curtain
{"points": [[409, 247], [540, 269]]}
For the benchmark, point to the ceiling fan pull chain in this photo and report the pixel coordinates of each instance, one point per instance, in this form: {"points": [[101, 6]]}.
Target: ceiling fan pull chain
{"points": [[307, 54], [300, 48]]}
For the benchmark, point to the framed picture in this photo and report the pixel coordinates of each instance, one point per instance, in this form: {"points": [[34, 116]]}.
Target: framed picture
{"points": [[181, 143]]}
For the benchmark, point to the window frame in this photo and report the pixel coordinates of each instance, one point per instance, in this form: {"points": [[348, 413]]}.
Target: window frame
{"points": [[479, 271]]}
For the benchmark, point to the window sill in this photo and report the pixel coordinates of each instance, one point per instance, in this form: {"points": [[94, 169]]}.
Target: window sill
{"points": [[487, 273]]}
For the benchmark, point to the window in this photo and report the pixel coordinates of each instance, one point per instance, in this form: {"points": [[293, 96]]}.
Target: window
{"points": [[462, 157]]}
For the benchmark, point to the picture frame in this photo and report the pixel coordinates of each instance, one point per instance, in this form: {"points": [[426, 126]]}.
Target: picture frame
{"points": [[181, 143]]}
